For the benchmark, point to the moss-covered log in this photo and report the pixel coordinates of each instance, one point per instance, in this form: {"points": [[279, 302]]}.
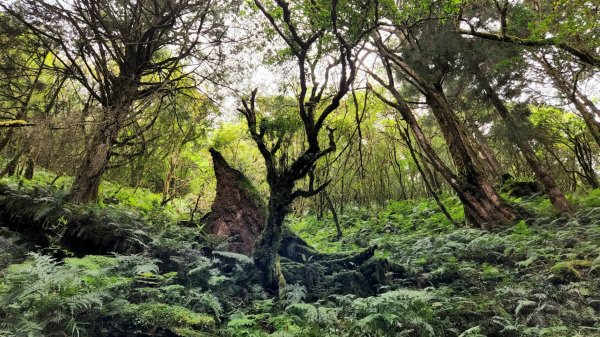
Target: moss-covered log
{"points": [[44, 220]]}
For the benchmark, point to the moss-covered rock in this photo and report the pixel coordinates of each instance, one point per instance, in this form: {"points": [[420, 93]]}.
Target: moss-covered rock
{"points": [[569, 271]]}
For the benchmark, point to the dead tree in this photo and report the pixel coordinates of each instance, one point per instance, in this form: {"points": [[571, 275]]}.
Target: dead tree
{"points": [[238, 212]]}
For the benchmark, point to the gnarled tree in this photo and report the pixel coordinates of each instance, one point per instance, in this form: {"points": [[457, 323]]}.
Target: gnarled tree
{"points": [[324, 44]]}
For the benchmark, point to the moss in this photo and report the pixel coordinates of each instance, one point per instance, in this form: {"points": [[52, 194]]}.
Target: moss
{"points": [[187, 332], [490, 272], [567, 271], [280, 277], [175, 318], [92, 262], [14, 123]]}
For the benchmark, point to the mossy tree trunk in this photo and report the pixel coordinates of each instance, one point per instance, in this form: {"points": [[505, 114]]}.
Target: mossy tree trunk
{"points": [[268, 245]]}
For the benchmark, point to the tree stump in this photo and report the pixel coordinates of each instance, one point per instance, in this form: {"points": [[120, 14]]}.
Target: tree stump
{"points": [[237, 213]]}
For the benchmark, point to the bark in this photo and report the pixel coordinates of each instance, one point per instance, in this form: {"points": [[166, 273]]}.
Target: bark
{"points": [[237, 212], [557, 198]]}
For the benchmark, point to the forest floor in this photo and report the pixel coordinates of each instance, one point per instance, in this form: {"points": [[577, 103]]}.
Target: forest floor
{"points": [[540, 277]]}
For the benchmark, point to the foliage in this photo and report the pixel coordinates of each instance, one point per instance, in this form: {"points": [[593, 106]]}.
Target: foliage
{"points": [[139, 102], [178, 319], [41, 297]]}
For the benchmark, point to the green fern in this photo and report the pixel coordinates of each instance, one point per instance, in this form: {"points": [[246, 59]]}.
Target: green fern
{"points": [[42, 297], [293, 293]]}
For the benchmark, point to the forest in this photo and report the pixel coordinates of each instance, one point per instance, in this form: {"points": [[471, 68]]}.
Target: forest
{"points": [[310, 168]]}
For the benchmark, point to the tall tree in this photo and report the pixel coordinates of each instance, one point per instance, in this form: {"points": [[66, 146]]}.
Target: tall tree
{"points": [[120, 52], [484, 207]]}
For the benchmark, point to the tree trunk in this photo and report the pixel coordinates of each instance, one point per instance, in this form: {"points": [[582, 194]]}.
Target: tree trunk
{"points": [[483, 205], [583, 153], [87, 182], [266, 256], [29, 169], [7, 137], [12, 165], [95, 163], [491, 161], [557, 198], [167, 193], [338, 228]]}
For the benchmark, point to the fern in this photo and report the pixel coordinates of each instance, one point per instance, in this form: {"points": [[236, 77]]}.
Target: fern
{"points": [[293, 293], [44, 297], [243, 259]]}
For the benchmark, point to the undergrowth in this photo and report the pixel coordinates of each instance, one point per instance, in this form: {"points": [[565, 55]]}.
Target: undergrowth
{"points": [[541, 277]]}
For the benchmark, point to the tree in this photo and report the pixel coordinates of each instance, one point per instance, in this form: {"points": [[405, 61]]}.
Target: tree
{"points": [[491, 77], [484, 207], [120, 52], [319, 36], [564, 24], [566, 30], [566, 77]]}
